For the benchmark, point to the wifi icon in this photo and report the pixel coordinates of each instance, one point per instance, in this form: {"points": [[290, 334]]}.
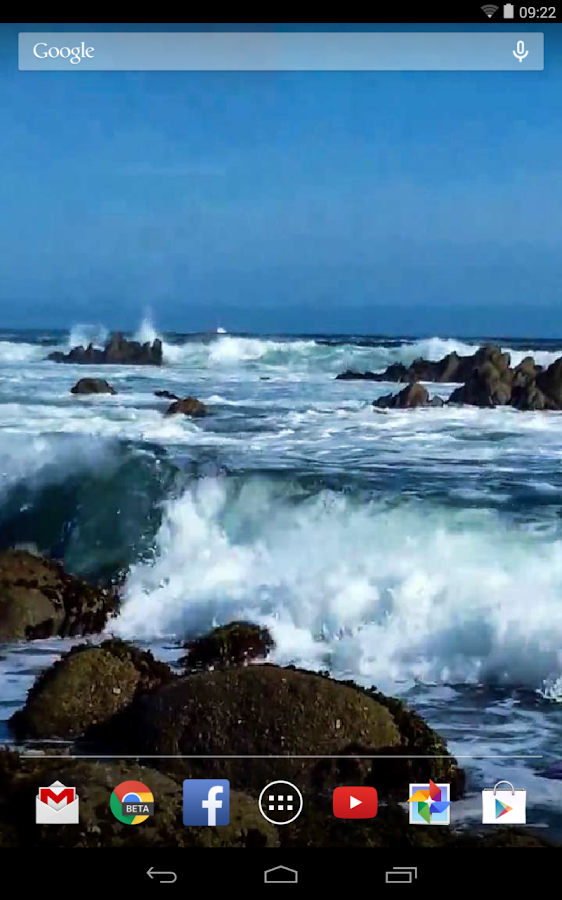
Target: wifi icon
{"points": [[489, 9]]}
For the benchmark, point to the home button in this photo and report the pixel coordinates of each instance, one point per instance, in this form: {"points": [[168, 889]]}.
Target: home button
{"points": [[281, 875]]}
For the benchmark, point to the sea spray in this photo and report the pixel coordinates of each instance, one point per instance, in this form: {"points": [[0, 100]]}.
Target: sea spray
{"points": [[383, 594]]}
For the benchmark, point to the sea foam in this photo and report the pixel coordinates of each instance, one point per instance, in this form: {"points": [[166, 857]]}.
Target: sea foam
{"points": [[385, 595]]}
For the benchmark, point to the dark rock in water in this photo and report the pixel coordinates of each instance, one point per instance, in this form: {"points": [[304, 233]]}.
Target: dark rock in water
{"points": [[549, 381], [411, 396], [118, 351], [530, 397], [38, 599], [86, 687], [489, 382], [452, 368], [486, 386], [189, 406], [166, 394], [526, 372], [351, 375], [234, 644], [92, 386]]}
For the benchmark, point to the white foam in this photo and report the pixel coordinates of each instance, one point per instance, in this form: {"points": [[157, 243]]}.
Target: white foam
{"points": [[384, 596], [82, 335], [146, 332], [11, 352], [294, 357]]}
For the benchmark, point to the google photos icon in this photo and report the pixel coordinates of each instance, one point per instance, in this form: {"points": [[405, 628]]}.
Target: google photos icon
{"points": [[430, 804]]}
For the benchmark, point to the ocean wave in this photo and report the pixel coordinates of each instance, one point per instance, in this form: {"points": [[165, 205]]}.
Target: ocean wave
{"points": [[307, 356], [94, 503], [146, 332], [384, 595], [299, 356], [16, 352]]}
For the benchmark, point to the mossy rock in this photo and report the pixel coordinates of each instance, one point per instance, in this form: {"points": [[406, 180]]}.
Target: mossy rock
{"points": [[252, 711], [234, 644], [86, 687], [30, 601], [38, 599]]}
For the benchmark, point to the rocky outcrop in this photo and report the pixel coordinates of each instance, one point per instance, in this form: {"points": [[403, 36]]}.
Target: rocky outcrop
{"points": [[167, 395], [487, 386], [118, 351], [486, 378], [235, 644], [39, 599], [86, 687], [92, 386], [189, 406], [452, 368], [410, 397]]}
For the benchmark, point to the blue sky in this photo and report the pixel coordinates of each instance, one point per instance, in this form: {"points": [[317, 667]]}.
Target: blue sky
{"points": [[289, 202]]}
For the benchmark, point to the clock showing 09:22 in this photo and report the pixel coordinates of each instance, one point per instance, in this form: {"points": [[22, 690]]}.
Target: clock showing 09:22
{"points": [[537, 12]]}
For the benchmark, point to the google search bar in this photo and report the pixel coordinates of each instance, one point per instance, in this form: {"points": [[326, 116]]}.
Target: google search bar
{"points": [[288, 51]]}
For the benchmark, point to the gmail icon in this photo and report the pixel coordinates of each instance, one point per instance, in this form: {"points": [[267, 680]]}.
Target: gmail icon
{"points": [[56, 805]]}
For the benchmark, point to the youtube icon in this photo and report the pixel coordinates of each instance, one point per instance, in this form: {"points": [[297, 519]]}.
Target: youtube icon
{"points": [[355, 802]]}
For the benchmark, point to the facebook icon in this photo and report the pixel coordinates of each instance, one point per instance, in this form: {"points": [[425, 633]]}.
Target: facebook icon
{"points": [[206, 802]]}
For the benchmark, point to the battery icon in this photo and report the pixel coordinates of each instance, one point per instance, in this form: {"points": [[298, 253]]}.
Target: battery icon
{"points": [[508, 11]]}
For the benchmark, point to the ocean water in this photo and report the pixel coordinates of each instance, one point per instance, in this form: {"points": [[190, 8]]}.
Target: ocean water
{"points": [[418, 551]]}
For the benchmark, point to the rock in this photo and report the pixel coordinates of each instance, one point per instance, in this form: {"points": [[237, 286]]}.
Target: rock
{"points": [[189, 406], [234, 644], [39, 599], [410, 397], [549, 382], [92, 386], [351, 375], [86, 687], [259, 710], [118, 351], [451, 368], [166, 394], [530, 397], [535, 388], [488, 385], [525, 372]]}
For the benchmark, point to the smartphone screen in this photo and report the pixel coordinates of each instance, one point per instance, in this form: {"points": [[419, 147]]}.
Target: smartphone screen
{"points": [[280, 445]]}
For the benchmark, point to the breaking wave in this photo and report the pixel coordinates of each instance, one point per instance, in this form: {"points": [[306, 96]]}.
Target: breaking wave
{"points": [[82, 335], [299, 356], [15, 352], [382, 594]]}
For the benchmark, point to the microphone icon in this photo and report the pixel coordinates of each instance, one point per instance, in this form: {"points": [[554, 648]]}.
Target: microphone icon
{"points": [[520, 53]]}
